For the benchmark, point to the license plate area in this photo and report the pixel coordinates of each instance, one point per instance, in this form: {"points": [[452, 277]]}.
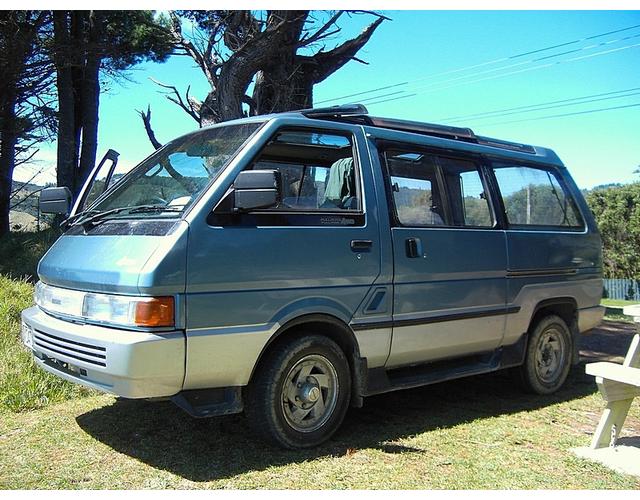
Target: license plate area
{"points": [[26, 334], [63, 366]]}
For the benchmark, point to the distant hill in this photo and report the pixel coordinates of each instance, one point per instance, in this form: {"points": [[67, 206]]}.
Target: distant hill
{"points": [[23, 221], [24, 216]]}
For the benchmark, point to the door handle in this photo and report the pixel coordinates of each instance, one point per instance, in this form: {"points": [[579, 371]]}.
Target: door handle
{"points": [[361, 245], [414, 248]]}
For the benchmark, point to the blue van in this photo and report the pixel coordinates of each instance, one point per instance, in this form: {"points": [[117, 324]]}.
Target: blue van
{"points": [[289, 265]]}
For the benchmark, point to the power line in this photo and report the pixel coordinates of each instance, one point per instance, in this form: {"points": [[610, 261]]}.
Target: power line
{"points": [[365, 92], [608, 42], [564, 114], [524, 70], [392, 99], [546, 105], [502, 59]]}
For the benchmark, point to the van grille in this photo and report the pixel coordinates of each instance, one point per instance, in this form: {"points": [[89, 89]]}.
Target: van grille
{"points": [[88, 353]]}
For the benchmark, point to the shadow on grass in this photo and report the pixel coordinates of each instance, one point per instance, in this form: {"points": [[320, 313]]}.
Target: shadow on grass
{"points": [[164, 437]]}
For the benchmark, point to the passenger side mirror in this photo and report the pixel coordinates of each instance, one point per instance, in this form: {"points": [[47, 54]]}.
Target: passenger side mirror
{"points": [[55, 200], [254, 189]]}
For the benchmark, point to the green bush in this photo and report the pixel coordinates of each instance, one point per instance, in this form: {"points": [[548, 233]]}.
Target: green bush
{"points": [[24, 386]]}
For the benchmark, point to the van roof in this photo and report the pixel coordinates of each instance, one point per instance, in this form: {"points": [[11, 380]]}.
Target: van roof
{"points": [[358, 113]]}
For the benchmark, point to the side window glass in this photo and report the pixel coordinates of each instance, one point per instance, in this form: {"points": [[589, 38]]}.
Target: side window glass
{"points": [[414, 187], [535, 197], [467, 194], [318, 170]]}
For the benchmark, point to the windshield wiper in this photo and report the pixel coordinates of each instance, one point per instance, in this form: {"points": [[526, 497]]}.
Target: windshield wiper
{"points": [[70, 220], [136, 209]]}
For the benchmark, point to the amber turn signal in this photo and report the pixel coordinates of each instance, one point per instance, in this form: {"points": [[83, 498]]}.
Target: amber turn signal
{"points": [[155, 311]]}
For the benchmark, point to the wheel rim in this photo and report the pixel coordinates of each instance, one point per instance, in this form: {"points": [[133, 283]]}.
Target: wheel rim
{"points": [[310, 393], [550, 356]]}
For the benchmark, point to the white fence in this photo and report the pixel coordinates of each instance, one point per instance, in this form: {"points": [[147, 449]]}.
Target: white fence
{"points": [[622, 289]]}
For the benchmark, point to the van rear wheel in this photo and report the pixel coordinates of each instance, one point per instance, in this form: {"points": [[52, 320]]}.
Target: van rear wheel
{"points": [[548, 357], [300, 393]]}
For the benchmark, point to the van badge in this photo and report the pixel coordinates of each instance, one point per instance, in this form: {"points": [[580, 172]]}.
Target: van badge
{"points": [[337, 221]]}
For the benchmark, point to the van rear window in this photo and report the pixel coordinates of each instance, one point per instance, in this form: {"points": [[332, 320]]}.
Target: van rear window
{"points": [[535, 197]]}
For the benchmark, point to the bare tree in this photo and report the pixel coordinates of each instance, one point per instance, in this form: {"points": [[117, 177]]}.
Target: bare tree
{"points": [[234, 49]]}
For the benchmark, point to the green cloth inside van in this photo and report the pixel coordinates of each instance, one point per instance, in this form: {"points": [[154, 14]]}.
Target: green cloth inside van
{"points": [[340, 188]]}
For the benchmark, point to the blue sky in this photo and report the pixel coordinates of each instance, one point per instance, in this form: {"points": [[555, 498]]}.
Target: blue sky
{"points": [[434, 52]]}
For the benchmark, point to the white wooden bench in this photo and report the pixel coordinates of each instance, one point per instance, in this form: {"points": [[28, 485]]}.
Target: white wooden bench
{"points": [[618, 385]]}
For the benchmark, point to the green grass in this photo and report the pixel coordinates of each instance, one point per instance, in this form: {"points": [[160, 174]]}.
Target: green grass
{"points": [[618, 303], [20, 252], [23, 386], [614, 309], [476, 433]]}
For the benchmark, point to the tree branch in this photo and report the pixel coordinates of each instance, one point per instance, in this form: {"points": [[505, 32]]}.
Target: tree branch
{"points": [[318, 35], [146, 120], [186, 107], [326, 63]]}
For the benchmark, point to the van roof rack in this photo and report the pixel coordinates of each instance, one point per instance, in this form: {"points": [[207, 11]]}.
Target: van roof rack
{"points": [[358, 113]]}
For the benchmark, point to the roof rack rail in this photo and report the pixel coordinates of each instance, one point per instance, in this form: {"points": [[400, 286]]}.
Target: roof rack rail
{"points": [[358, 113], [512, 146], [444, 131], [335, 112]]}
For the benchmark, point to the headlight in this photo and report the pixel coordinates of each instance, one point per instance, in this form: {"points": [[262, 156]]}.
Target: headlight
{"points": [[105, 308]]}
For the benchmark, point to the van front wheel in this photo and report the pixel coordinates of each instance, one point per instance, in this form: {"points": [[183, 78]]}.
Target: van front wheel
{"points": [[300, 393], [548, 357]]}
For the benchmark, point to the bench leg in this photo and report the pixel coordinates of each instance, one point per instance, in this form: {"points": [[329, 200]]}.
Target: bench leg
{"points": [[614, 414]]}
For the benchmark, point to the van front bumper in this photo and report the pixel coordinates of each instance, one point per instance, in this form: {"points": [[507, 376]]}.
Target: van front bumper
{"points": [[131, 364]]}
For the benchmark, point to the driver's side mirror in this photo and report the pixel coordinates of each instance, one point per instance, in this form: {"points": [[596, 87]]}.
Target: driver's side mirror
{"points": [[55, 200], [254, 189]]}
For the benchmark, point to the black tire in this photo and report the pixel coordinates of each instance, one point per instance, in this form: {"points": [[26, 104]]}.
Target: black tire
{"points": [[548, 357], [269, 404]]}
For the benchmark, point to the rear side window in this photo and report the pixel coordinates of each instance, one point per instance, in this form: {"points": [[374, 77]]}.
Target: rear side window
{"points": [[414, 188], [535, 197], [467, 194], [431, 190]]}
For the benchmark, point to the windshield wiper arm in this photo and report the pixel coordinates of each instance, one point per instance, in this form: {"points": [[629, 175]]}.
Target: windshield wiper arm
{"points": [[70, 220], [99, 216]]}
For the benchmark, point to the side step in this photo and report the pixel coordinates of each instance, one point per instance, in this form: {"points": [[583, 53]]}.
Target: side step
{"points": [[380, 380]]}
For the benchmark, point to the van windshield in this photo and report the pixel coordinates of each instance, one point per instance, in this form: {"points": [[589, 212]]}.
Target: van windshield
{"points": [[170, 181]]}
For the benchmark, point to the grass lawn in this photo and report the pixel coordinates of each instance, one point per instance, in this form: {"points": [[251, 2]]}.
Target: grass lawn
{"points": [[618, 302], [479, 433], [23, 385], [614, 309]]}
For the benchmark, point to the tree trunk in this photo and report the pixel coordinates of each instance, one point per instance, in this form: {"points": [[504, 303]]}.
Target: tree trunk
{"points": [[77, 58], [16, 49], [66, 146], [288, 83], [274, 47], [90, 98], [7, 157]]}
